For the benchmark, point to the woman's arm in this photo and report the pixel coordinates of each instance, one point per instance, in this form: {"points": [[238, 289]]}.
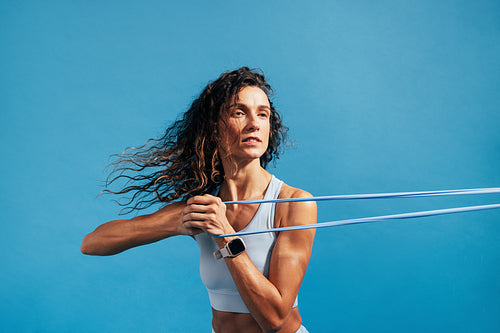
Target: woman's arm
{"points": [[120, 235], [270, 300]]}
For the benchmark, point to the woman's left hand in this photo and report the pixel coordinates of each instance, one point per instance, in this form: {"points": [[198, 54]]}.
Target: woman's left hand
{"points": [[208, 214]]}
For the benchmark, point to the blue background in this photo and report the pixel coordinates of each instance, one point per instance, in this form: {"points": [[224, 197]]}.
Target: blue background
{"points": [[380, 96]]}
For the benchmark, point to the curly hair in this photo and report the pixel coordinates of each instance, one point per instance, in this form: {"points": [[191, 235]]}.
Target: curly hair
{"points": [[185, 161]]}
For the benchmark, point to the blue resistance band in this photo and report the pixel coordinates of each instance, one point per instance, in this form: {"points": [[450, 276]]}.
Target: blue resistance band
{"points": [[374, 218], [375, 196]]}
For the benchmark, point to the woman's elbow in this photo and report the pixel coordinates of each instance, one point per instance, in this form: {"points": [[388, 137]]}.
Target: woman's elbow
{"points": [[85, 248], [275, 326], [276, 323], [89, 246]]}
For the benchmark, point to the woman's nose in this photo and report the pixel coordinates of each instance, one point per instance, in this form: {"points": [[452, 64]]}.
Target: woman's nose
{"points": [[253, 123]]}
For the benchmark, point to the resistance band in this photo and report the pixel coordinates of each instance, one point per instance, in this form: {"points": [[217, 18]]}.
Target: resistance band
{"points": [[375, 196], [375, 218]]}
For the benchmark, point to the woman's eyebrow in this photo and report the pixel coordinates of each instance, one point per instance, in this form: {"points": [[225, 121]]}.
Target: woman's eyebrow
{"points": [[243, 106]]}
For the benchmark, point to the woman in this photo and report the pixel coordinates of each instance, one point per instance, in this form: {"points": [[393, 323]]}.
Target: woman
{"points": [[218, 152]]}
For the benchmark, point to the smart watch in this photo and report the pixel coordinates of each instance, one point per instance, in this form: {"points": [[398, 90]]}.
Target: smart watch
{"points": [[231, 250]]}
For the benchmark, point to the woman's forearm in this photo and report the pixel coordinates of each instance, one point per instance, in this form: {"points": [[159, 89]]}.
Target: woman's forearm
{"points": [[263, 299], [117, 236]]}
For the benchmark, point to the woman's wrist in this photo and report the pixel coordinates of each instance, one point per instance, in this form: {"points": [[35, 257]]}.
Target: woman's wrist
{"points": [[222, 241]]}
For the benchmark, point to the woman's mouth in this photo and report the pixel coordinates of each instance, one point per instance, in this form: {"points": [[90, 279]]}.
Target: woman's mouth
{"points": [[252, 139]]}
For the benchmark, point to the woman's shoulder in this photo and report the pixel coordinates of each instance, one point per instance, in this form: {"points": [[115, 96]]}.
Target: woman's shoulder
{"points": [[288, 191], [295, 213]]}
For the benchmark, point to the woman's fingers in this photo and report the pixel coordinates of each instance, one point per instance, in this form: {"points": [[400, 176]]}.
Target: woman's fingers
{"points": [[199, 213], [206, 213], [202, 207], [196, 208], [200, 217], [205, 203], [204, 227], [205, 200]]}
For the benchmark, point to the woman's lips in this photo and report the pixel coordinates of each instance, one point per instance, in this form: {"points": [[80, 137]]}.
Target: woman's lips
{"points": [[252, 139]]}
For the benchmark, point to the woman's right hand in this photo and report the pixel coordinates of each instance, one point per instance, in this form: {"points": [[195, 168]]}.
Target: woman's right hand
{"points": [[206, 213]]}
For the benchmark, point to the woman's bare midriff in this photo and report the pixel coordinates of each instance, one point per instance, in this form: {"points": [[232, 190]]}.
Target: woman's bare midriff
{"points": [[223, 322]]}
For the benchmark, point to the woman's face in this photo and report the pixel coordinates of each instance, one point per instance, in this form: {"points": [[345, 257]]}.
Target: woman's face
{"points": [[245, 133]]}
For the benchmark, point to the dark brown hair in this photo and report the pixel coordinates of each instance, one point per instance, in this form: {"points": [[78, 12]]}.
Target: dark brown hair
{"points": [[185, 161]]}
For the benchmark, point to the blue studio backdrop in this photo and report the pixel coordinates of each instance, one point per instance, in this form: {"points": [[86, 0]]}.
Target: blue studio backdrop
{"points": [[379, 96]]}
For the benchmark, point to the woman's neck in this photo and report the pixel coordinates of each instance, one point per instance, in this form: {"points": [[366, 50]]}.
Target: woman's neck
{"points": [[248, 182]]}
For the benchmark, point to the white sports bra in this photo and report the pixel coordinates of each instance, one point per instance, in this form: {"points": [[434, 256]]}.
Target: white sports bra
{"points": [[222, 291]]}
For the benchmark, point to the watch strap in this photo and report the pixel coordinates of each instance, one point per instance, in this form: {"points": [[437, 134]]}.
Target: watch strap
{"points": [[222, 253], [226, 252]]}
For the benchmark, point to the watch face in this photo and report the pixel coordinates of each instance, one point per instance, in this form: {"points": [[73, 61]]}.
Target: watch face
{"points": [[236, 246]]}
